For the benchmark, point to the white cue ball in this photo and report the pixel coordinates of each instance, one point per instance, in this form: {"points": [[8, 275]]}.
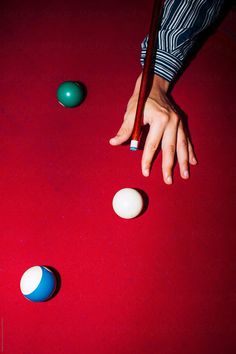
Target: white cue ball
{"points": [[127, 203]]}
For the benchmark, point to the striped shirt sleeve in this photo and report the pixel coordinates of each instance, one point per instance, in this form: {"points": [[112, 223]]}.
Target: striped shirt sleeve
{"points": [[182, 22]]}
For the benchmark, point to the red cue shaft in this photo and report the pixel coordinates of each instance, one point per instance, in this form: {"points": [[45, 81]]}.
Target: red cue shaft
{"points": [[152, 38]]}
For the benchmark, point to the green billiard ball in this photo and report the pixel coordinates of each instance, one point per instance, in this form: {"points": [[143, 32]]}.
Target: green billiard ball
{"points": [[70, 94]]}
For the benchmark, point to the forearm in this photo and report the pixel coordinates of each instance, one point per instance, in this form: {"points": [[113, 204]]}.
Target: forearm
{"points": [[181, 24]]}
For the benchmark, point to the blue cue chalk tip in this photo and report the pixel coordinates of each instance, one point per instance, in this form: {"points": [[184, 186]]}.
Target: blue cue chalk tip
{"points": [[134, 145]]}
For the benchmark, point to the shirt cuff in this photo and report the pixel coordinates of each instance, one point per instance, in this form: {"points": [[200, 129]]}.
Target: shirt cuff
{"points": [[166, 65]]}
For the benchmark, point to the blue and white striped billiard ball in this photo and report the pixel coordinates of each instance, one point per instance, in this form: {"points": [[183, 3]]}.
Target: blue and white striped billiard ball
{"points": [[38, 283]]}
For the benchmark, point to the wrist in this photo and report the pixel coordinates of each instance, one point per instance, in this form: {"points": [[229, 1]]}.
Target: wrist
{"points": [[159, 84], [159, 88]]}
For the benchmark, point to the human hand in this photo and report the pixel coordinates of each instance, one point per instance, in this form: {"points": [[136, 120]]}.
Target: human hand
{"points": [[166, 130]]}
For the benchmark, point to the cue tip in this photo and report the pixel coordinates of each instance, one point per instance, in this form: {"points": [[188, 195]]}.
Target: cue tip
{"points": [[134, 145]]}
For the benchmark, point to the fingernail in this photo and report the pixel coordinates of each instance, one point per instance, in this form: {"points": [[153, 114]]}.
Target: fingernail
{"points": [[186, 174], [169, 180], [146, 172], [194, 160]]}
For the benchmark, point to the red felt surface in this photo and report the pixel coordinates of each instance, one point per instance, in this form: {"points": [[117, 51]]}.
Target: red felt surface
{"points": [[162, 283]]}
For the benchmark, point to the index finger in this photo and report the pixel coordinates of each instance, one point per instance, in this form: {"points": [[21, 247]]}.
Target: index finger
{"points": [[151, 145], [124, 133]]}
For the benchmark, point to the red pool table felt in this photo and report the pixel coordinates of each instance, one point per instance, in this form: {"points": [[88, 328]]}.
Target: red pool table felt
{"points": [[163, 283]]}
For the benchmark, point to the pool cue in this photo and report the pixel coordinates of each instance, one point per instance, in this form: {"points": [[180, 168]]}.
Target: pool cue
{"points": [[152, 38]]}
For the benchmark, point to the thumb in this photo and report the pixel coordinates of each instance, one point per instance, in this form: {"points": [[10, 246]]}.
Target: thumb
{"points": [[123, 134]]}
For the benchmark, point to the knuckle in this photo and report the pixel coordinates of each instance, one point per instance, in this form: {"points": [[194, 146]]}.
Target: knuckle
{"points": [[175, 118], [183, 143], [165, 118], [152, 146], [170, 149]]}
